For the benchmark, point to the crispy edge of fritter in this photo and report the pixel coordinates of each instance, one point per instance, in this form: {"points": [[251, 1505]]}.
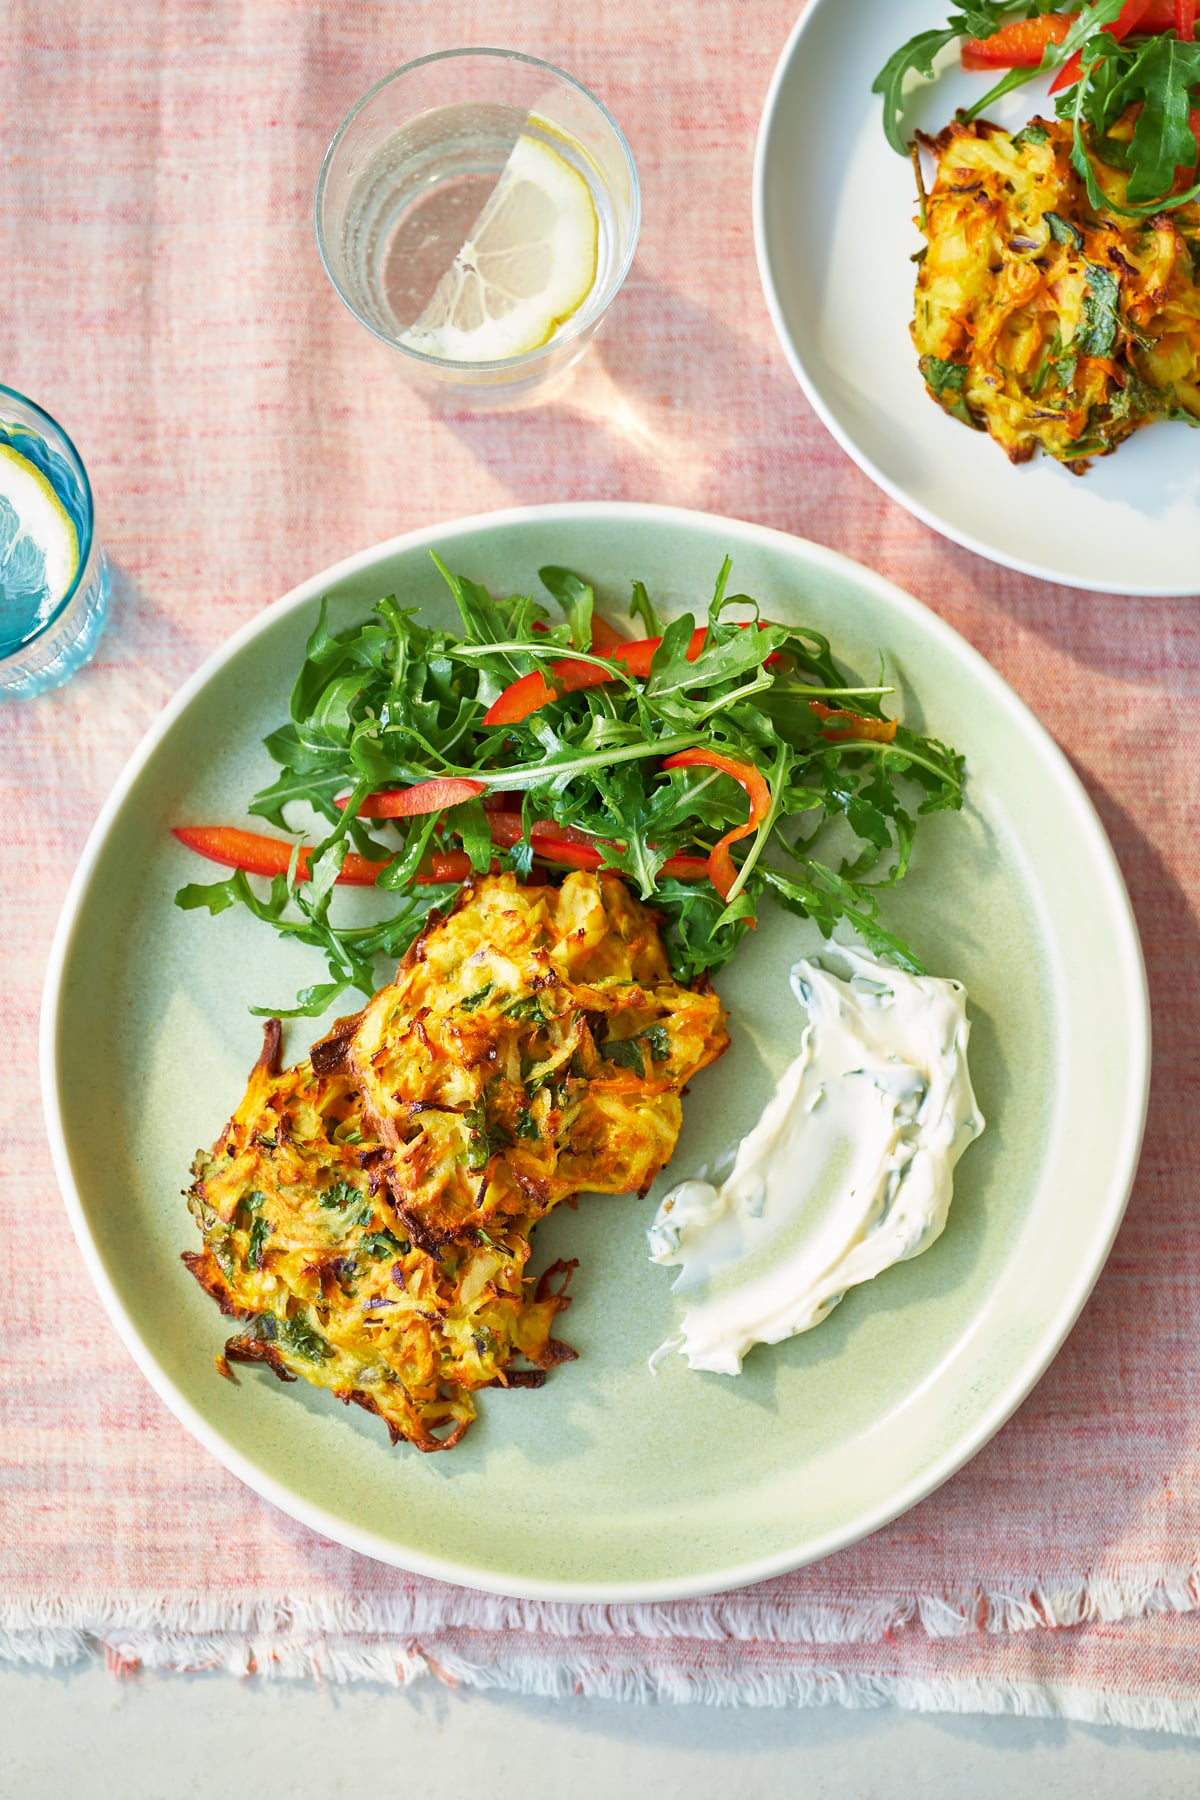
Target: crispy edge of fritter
{"points": [[246, 1348]]}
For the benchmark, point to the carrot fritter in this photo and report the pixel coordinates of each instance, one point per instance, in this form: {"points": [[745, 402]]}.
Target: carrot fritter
{"points": [[1040, 318], [533, 1045], [302, 1243], [366, 1214]]}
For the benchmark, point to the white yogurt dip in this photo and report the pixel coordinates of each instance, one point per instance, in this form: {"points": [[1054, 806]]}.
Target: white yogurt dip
{"points": [[848, 1170]]}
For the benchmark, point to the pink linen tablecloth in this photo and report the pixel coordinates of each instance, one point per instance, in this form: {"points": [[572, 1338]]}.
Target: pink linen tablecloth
{"points": [[162, 297]]}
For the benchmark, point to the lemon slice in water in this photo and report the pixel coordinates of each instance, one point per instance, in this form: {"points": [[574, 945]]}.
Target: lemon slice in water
{"points": [[39, 546], [527, 267]]}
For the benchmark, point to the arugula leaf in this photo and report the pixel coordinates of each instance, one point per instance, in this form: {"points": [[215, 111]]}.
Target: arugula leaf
{"points": [[726, 654], [576, 599], [1153, 70], [827, 897], [1164, 77], [640, 608], [1092, 17], [470, 821], [917, 57]]}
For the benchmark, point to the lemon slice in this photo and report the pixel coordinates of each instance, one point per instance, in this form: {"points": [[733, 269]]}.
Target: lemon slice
{"points": [[527, 267], [39, 546]]}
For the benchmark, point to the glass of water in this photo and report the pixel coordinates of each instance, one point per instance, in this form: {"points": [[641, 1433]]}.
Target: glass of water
{"points": [[53, 577], [478, 211]]}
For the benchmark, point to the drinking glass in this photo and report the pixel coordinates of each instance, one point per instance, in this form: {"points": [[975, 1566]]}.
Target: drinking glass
{"points": [[407, 175], [45, 639]]}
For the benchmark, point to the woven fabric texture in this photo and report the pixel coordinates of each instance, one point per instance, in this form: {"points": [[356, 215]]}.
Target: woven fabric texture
{"points": [[163, 298]]}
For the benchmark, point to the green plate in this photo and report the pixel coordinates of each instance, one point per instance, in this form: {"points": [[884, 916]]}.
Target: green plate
{"points": [[612, 1482]]}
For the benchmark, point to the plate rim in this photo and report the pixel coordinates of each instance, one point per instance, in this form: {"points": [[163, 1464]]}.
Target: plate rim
{"points": [[1012, 1392], [808, 382]]}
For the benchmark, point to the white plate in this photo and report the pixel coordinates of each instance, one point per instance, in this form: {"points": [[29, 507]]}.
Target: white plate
{"points": [[610, 1482], [833, 223]]}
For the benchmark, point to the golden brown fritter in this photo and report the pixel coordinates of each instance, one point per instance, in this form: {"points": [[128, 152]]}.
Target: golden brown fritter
{"points": [[366, 1214], [302, 1244], [1041, 319], [533, 1045]]}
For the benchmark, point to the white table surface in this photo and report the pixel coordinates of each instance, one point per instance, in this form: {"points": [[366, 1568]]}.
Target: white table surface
{"points": [[87, 1735]]}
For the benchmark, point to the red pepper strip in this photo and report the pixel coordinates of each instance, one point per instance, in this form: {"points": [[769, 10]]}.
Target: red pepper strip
{"points": [[571, 854], [578, 849], [638, 657], [425, 797], [1130, 18], [853, 725], [259, 855], [1185, 21], [605, 637], [530, 691], [1020, 44], [721, 869], [567, 855], [448, 865], [506, 828]]}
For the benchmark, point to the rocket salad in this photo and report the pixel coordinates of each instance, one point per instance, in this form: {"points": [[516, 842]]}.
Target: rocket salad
{"points": [[710, 763], [1107, 57]]}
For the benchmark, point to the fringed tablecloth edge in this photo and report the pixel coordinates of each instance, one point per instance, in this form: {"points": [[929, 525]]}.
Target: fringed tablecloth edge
{"points": [[746, 1614], [171, 1650]]}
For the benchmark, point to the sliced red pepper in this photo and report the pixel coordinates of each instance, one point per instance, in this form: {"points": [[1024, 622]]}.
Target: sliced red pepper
{"points": [[424, 797], [574, 849], [566, 855], [853, 725], [638, 656], [447, 865], [686, 868], [1133, 16], [558, 844], [1159, 16], [1020, 44], [605, 637], [531, 691], [507, 829], [259, 855], [569, 853], [1185, 21], [721, 868]]}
